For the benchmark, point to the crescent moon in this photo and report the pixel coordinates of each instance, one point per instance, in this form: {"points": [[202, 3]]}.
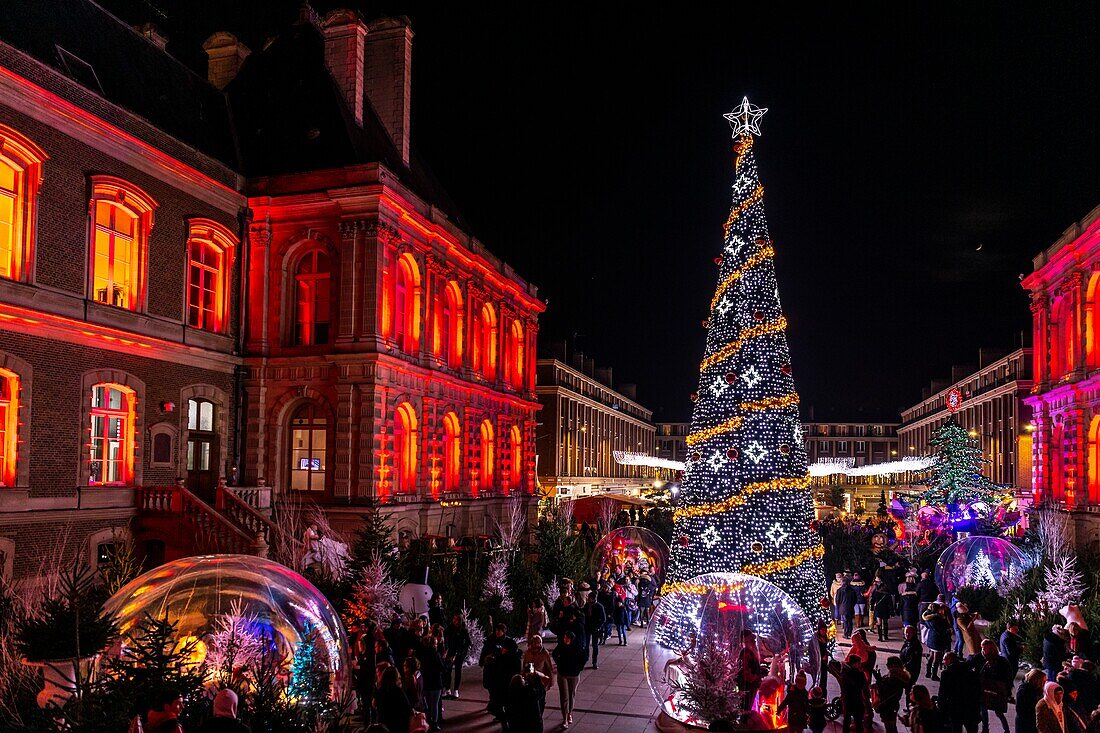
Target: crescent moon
{"points": [[979, 249]]}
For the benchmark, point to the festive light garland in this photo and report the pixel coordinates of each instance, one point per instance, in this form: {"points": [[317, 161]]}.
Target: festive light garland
{"points": [[701, 589], [748, 333], [761, 255], [784, 563], [703, 435], [779, 484], [770, 403]]}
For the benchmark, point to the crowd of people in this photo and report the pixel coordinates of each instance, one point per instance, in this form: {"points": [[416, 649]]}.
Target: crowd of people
{"points": [[944, 640]]}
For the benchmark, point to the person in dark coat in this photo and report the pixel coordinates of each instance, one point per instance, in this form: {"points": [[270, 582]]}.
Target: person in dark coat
{"points": [[595, 619], [1011, 644], [1080, 640], [436, 612], [390, 703], [1054, 651], [621, 619], [823, 644], [431, 675], [456, 638], [891, 692], [748, 669], [797, 703], [853, 691], [909, 602], [569, 657], [500, 660], [960, 695], [522, 712], [647, 588], [939, 637], [1082, 676], [846, 597], [912, 655], [996, 678], [1028, 696], [882, 605]]}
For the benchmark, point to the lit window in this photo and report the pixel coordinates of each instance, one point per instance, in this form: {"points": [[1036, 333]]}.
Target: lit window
{"points": [[406, 306], [112, 435], [200, 438], [485, 342], [122, 216], [209, 247], [452, 452], [200, 415], [513, 358], [9, 426], [404, 450], [20, 173], [312, 298], [516, 479], [308, 446], [449, 334], [487, 455]]}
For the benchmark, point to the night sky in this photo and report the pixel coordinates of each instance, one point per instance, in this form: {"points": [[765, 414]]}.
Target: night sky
{"points": [[585, 146]]}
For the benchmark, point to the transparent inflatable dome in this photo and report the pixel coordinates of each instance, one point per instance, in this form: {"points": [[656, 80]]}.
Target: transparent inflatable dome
{"points": [[704, 619], [989, 562], [197, 593], [637, 546]]}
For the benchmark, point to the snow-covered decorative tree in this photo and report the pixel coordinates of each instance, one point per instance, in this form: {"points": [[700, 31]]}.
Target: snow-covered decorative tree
{"points": [[497, 590], [1063, 583], [707, 686], [957, 472], [477, 636], [745, 502], [234, 644], [979, 573], [375, 595]]}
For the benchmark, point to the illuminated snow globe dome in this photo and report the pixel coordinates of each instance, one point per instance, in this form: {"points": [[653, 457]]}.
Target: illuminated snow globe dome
{"points": [[980, 561], [698, 625], [636, 546], [269, 604]]}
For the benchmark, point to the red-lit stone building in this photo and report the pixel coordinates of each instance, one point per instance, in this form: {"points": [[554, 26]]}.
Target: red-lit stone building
{"points": [[245, 275], [1066, 396]]}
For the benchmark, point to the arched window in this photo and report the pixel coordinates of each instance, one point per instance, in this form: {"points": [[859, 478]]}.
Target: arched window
{"points": [[488, 451], [516, 458], [1094, 462], [513, 358], [1092, 323], [312, 298], [20, 173], [485, 342], [449, 334], [406, 312], [209, 248], [9, 426], [452, 452], [308, 448], [122, 216], [1055, 464], [111, 450], [404, 449]]}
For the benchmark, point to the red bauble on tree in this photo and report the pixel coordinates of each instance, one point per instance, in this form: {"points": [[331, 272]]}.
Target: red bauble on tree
{"points": [[718, 260], [730, 377], [732, 454], [758, 315], [684, 540], [786, 369]]}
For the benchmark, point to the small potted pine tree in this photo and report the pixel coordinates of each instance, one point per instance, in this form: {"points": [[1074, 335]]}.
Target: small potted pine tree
{"points": [[64, 634]]}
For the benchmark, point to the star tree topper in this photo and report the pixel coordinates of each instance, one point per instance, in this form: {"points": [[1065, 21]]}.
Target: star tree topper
{"points": [[745, 120]]}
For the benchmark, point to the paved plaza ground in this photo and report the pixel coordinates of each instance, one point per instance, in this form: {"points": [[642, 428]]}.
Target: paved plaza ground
{"points": [[615, 698]]}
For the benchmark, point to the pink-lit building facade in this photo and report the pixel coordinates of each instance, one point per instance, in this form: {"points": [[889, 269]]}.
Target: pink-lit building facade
{"points": [[1065, 398]]}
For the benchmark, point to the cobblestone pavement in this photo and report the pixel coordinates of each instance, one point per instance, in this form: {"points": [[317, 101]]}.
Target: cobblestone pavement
{"points": [[616, 698]]}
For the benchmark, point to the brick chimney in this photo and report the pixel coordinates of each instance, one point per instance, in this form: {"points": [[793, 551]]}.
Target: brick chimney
{"points": [[224, 56], [387, 68], [345, 34]]}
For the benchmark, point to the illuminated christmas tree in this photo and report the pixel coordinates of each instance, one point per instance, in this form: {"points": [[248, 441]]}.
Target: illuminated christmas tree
{"points": [[745, 504], [957, 473]]}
